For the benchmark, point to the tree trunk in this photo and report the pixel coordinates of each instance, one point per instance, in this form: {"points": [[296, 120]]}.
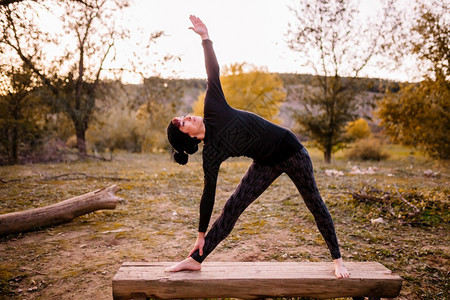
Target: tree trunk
{"points": [[327, 155], [59, 212], [15, 131], [81, 142], [15, 143]]}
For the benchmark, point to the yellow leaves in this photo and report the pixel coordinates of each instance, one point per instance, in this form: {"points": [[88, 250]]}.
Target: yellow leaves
{"points": [[250, 88], [197, 107], [358, 129], [418, 115]]}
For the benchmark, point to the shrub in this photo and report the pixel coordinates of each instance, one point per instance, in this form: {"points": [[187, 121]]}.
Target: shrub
{"points": [[358, 129], [72, 142], [368, 149], [117, 128]]}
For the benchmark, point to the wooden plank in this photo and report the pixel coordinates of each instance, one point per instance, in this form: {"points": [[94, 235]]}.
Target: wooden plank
{"points": [[251, 280]]}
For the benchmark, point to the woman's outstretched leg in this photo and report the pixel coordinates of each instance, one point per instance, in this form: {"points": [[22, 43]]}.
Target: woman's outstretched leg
{"points": [[299, 168], [257, 179]]}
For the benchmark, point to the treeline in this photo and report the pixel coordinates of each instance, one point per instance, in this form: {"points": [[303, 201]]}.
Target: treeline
{"points": [[129, 117], [134, 117]]}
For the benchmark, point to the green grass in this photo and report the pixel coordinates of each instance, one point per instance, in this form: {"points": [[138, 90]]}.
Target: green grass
{"points": [[158, 221]]}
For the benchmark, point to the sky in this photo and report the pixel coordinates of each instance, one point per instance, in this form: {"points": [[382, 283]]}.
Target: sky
{"points": [[252, 31]]}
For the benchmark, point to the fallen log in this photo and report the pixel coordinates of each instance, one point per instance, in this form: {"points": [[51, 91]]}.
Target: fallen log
{"points": [[60, 212]]}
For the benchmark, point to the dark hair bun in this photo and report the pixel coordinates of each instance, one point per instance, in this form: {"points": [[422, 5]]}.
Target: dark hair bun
{"points": [[181, 158], [182, 143], [192, 149]]}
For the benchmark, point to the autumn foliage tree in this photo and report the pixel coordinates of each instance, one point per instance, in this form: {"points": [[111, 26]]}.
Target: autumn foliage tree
{"points": [[250, 88], [419, 113]]}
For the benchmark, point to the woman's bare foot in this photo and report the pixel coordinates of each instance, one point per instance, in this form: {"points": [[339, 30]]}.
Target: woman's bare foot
{"points": [[340, 270], [187, 264]]}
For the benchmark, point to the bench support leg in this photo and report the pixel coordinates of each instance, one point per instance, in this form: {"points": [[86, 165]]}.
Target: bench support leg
{"points": [[138, 296]]}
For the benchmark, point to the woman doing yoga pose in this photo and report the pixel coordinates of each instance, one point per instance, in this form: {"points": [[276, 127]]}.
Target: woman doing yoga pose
{"points": [[228, 132]]}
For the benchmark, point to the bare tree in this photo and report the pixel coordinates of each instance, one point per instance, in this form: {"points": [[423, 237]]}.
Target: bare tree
{"points": [[337, 45]]}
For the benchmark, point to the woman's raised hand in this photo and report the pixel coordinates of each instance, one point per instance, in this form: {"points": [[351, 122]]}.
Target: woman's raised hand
{"points": [[198, 27]]}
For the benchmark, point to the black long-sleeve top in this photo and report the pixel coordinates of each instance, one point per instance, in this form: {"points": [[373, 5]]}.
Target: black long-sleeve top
{"points": [[231, 132]]}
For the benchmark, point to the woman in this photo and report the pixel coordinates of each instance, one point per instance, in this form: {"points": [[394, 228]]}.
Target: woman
{"points": [[228, 132]]}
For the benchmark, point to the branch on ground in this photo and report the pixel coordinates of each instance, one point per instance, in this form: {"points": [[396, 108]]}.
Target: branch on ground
{"points": [[65, 176]]}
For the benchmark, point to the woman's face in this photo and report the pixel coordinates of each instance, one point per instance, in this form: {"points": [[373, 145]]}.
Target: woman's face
{"points": [[190, 124]]}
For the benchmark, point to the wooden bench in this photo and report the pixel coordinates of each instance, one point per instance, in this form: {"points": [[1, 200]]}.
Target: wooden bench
{"points": [[252, 280]]}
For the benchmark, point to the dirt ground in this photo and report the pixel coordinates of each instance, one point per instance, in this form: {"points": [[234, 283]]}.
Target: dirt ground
{"points": [[156, 220]]}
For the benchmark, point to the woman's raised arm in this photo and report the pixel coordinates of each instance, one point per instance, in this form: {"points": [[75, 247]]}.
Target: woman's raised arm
{"points": [[198, 27], [214, 91]]}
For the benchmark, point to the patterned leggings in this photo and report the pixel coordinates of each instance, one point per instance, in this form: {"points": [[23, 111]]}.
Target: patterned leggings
{"points": [[257, 179]]}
